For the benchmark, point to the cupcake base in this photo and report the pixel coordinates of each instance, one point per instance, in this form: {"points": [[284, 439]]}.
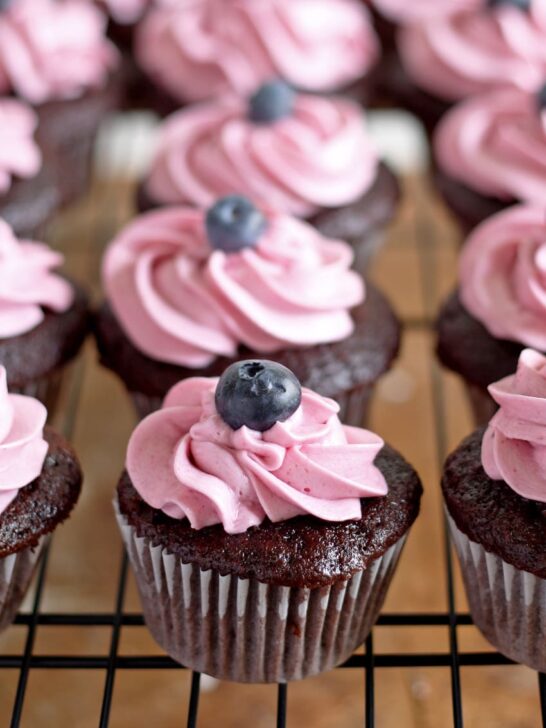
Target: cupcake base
{"points": [[508, 605], [16, 572], [30, 204], [248, 631]]}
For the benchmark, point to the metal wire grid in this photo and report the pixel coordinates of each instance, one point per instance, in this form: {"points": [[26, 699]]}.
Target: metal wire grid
{"points": [[368, 662]]}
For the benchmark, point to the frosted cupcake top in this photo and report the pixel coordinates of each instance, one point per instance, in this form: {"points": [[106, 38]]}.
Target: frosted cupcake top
{"points": [[20, 156], [53, 50], [314, 153], [514, 444], [455, 56], [28, 284], [189, 461], [199, 49], [188, 286], [496, 144], [22, 446]]}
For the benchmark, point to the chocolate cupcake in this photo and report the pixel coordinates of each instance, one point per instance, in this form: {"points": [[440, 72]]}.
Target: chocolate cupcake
{"points": [[28, 193], [490, 152], [495, 497], [307, 155], [44, 318], [189, 292], [455, 55], [500, 305], [67, 74], [262, 532], [199, 51], [39, 485]]}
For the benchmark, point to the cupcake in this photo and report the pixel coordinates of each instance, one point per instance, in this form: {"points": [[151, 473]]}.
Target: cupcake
{"points": [[262, 532], [500, 305], [490, 152], [43, 317], [495, 495], [200, 49], [28, 194], [55, 55], [457, 55], [189, 292], [307, 155], [39, 485]]}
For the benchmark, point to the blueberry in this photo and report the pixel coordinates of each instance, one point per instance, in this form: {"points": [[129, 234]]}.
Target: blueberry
{"points": [[271, 102], [541, 98], [521, 4], [257, 393], [234, 223]]}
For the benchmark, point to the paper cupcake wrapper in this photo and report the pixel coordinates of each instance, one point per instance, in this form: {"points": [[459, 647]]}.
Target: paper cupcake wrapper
{"points": [[247, 631], [482, 404], [16, 571], [47, 389], [354, 405], [366, 249], [507, 604]]}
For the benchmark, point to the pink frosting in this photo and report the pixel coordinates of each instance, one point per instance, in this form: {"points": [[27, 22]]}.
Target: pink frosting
{"points": [[185, 460], [514, 445], [202, 48], [405, 11], [460, 55], [180, 302], [52, 50], [27, 284], [496, 144], [22, 446], [20, 156], [319, 156], [503, 275]]}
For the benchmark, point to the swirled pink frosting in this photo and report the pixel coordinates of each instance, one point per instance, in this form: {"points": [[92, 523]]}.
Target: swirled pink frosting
{"points": [[503, 275], [185, 460], [496, 144], [28, 284], [514, 445], [53, 50], [178, 301], [319, 156], [202, 48], [22, 446], [20, 156], [402, 11], [459, 55]]}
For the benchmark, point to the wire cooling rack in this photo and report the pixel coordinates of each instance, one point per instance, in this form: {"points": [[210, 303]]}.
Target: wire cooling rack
{"points": [[368, 662]]}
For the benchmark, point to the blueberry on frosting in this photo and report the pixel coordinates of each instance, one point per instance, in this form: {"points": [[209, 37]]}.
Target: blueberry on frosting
{"points": [[257, 393], [234, 223], [274, 100], [521, 4]]}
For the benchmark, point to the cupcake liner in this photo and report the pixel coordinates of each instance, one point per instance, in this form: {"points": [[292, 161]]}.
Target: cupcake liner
{"points": [[482, 404], [354, 404], [16, 571], [47, 389], [366, 249], [507, 604], [247, 631]]}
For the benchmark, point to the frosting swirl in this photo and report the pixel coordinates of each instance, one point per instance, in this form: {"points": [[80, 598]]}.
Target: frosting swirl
{"points": [[496, 144], [503, 275], [53, 50], [20, 156], [27, 284], [401, 11], [185, 460], [203, 48], [180, 302], [462, 54], [513, 447], [319, 156], [22, 446]]}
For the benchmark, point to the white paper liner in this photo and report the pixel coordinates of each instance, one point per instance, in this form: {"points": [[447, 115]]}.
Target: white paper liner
{"points": [[16, 571], [507, 604], [247, 631]]}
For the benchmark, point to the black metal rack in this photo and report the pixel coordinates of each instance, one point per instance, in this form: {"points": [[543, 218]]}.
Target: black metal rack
{"points": [[368, 662]]}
